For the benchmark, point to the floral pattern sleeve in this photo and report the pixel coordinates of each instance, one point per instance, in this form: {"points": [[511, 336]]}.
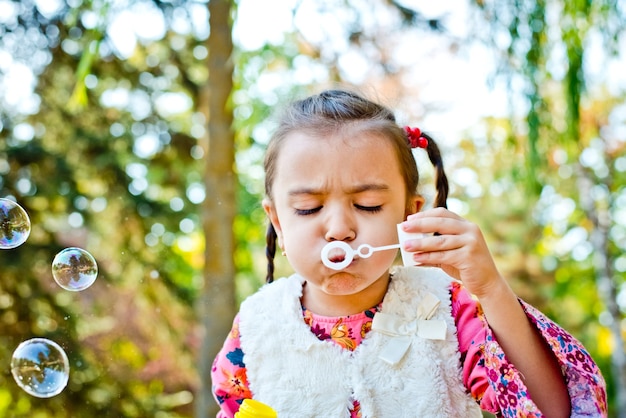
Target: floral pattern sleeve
{"points": [[228, 374], [497, 385]]}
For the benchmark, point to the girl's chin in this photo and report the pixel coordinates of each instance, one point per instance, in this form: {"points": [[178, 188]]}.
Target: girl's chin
{"points": [[347, 284]]}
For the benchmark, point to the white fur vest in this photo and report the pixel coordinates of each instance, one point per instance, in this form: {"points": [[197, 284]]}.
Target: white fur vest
{"points": [[294, 372]]}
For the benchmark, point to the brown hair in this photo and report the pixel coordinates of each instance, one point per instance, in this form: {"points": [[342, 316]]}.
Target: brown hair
{"points": [[332, 111]]}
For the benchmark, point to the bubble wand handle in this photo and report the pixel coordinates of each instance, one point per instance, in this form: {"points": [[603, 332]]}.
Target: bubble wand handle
{"points": [[366, 250]]}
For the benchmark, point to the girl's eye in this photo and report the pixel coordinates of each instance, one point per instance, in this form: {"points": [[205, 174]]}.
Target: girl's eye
{"points": [[305, 212], [372, 209]]}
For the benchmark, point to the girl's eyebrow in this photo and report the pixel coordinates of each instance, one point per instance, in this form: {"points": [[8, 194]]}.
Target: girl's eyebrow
{"points": [[368, 187], [305, 191], [359, 188]]}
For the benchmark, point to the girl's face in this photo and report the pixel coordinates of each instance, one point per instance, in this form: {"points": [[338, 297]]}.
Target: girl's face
{"points": [[345, 188]]}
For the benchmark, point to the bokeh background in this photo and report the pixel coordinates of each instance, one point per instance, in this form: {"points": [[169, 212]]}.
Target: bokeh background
{"points": [[136, 129]]}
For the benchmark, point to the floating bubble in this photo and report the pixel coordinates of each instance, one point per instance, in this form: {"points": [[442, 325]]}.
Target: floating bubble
{"points": [[40, 367], [14, 224], [74, 269]]}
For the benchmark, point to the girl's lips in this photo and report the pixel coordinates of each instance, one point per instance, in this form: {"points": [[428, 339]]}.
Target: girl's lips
{"points": [[336, 255], [342, 260], [336, 258]]}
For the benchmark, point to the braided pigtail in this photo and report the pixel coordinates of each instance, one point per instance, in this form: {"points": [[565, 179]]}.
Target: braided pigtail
{"points": [[418, 139], [270, 252], [441, 180]]}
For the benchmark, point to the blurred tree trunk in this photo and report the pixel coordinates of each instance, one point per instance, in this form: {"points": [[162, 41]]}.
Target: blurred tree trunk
{"points": [[217, 305]]}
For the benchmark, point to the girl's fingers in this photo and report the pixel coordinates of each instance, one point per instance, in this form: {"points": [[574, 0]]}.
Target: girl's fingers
{"points": [[430, 243], [439, 221]]}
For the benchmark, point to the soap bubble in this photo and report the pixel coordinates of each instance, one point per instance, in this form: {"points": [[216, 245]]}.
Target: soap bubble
{"points": [[40, 367], [74, 269], [14, 224]]}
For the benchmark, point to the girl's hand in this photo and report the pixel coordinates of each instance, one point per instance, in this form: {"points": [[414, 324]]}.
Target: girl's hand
{"points": [[459, 249]]}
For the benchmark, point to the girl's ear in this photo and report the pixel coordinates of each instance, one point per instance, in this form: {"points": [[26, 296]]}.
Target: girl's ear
{"points": [[415, 205], [270, 211]]}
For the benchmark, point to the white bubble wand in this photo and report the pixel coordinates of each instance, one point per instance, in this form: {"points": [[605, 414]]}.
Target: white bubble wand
{"points": [[342, 250]]}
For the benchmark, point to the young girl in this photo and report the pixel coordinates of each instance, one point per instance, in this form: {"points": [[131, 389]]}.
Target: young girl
{"points": [[445, 338]]}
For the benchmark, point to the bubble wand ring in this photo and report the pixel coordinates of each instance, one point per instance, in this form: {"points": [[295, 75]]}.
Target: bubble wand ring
{"points": [[363, 251], [337, 245]]}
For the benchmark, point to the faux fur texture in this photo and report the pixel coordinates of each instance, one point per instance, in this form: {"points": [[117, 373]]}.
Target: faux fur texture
{"points": [[300, 376]]}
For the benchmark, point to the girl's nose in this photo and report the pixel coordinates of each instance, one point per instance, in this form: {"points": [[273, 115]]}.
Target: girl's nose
{"points": [[340, 227]]}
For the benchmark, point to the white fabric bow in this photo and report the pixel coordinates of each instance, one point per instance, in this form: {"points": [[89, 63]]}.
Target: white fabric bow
{"points": [[402, 331]]}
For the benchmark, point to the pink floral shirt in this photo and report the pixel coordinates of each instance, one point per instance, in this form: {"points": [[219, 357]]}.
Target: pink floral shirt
{"points": [[490, 379]]}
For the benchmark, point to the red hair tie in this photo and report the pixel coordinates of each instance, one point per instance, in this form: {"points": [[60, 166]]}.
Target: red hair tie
{"points": [[415, 137]]}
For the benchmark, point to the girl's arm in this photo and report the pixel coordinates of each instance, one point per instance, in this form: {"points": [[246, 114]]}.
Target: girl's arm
{"points": [[525, 348], [498, 386], [460, 250]]}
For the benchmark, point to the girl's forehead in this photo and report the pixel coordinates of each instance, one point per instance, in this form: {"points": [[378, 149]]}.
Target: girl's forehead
{"points": [[324, 158], [334, 147], [334, 142]]}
